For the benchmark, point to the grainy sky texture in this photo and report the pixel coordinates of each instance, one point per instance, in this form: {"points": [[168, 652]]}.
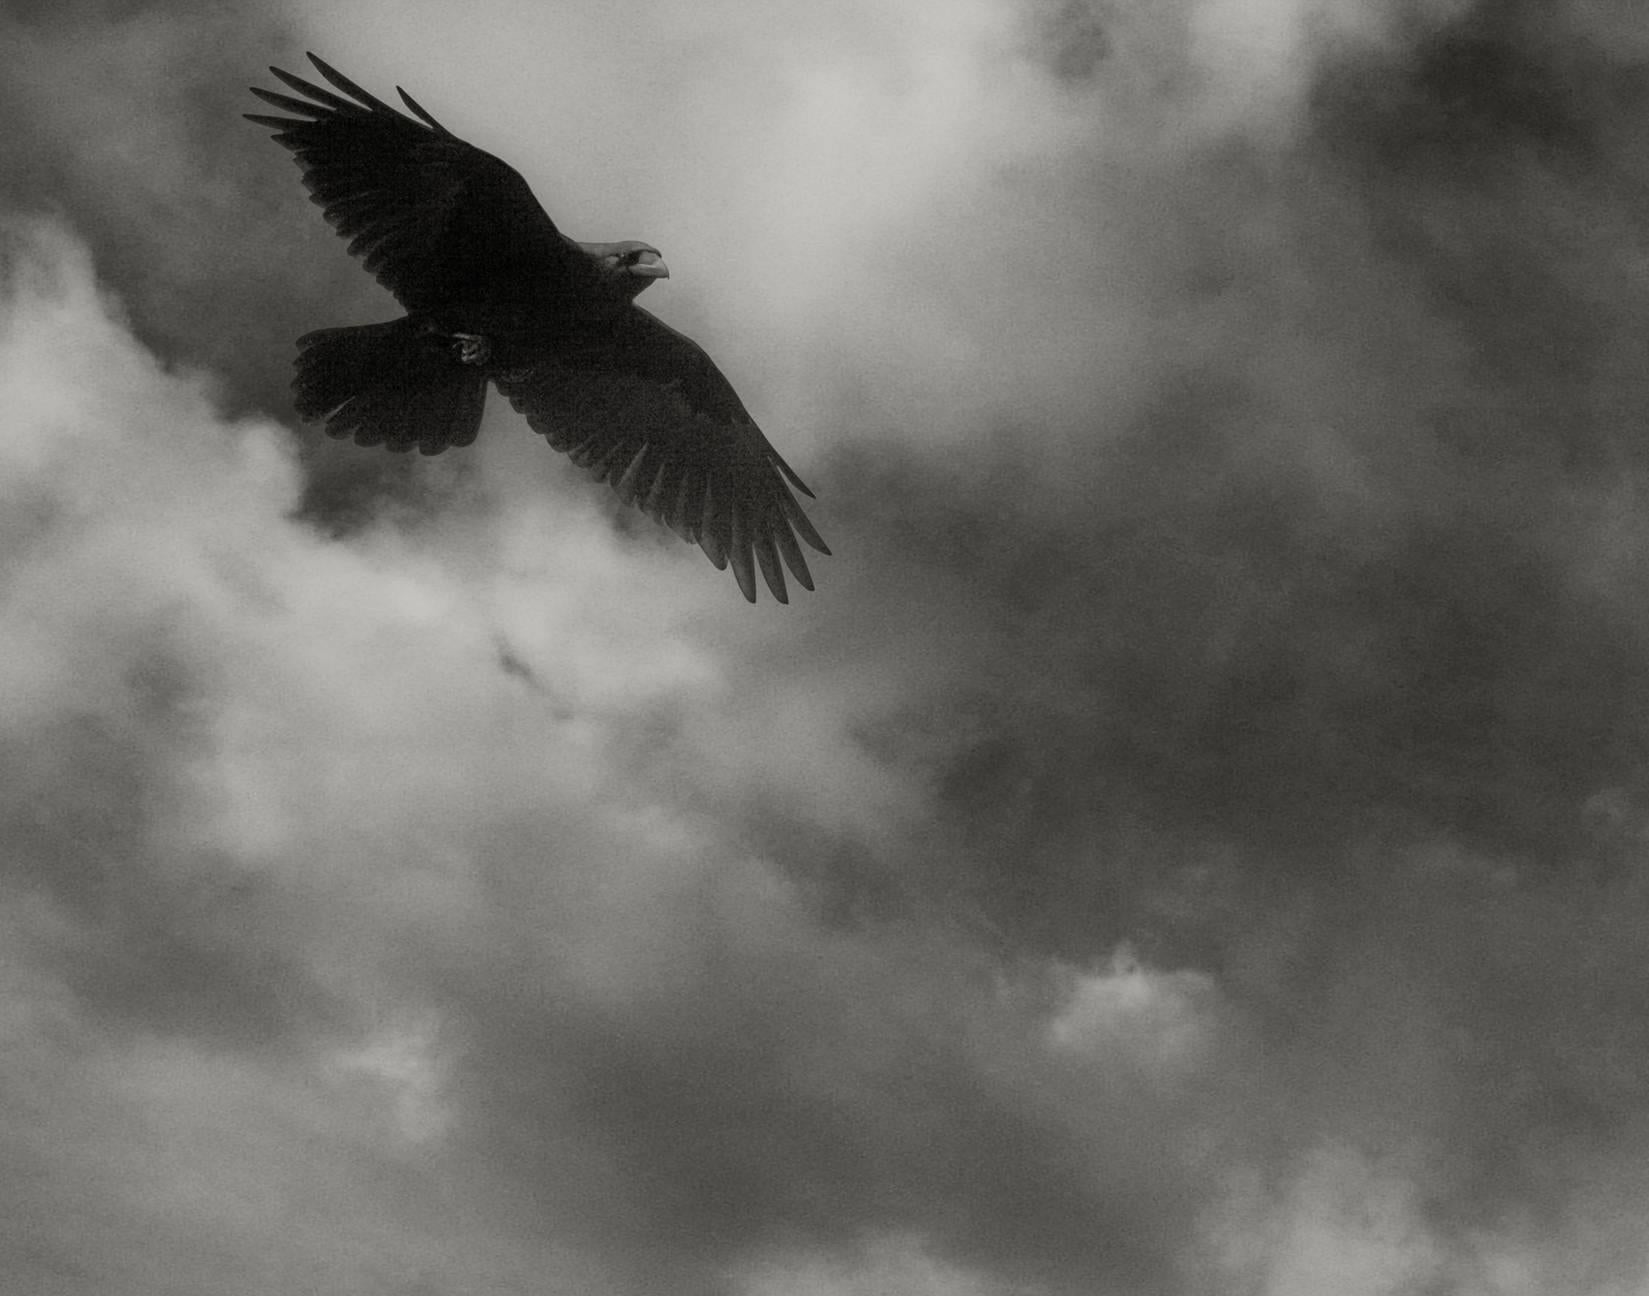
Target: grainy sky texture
{"points": [[1195, 842]]}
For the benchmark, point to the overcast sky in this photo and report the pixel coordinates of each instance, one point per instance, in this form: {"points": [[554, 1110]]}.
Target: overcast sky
{"points": [[1195, 841]]}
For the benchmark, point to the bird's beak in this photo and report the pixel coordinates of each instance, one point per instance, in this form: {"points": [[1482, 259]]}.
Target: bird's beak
{"points": [[650, 265]]}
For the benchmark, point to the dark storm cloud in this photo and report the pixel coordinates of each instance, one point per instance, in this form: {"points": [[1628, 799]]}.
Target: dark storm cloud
{"points": [[1326, 577], [1231, 415], [788, 1089], [1316, 669], [1325, 664]]}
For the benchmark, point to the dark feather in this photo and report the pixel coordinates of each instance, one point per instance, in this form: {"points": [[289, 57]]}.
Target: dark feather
{"points": [[793, 558], [417, 111], [688, 508], [388, 384], [738, 548], [625, 486], [286, 103], [767, 557], [348, 87], [325, 97], [651, 501], [650, 406]]}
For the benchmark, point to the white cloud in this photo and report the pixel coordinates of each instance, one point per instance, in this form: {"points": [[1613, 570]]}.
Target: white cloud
{"points": [[323, 745], [1161, 1022], [1351, 1227]]}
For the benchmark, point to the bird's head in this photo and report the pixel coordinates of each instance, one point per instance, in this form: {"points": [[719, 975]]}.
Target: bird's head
{"points": [[630, 265]]}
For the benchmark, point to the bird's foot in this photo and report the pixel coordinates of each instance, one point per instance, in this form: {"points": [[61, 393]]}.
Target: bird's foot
{"points": [[470, 348]]}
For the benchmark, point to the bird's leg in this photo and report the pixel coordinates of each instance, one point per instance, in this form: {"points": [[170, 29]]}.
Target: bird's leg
{"points": [[470, 348]]}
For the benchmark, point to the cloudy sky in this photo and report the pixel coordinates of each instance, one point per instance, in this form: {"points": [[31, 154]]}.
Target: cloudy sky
{"points": [[1195, 841]]}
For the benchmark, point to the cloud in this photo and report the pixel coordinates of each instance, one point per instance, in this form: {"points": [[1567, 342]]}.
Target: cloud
{"points": [[1191, 842], [295, 850]]}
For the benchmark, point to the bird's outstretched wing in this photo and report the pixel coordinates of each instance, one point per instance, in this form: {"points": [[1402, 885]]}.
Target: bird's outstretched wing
{"points": [[436, 220], [648, 411]]}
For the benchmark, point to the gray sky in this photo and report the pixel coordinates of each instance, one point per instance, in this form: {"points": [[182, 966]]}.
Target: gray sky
{"points": [[1192, 843]]}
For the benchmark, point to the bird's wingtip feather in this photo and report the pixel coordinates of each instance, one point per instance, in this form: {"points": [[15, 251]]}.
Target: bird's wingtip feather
{"points": [[791, 475], [419, 112], [343, 83]]}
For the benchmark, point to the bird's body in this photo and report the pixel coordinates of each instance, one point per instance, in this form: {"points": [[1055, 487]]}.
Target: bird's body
{"points": [[494, 292]]}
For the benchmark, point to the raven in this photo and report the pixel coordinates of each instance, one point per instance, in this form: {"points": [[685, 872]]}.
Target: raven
{"points": [[493, 291]]}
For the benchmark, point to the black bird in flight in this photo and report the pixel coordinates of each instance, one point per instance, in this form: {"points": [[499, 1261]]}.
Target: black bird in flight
{"points": [[493, 291]]}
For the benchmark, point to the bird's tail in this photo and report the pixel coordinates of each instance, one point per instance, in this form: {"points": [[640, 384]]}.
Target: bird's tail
{"points": [[398, 384]]}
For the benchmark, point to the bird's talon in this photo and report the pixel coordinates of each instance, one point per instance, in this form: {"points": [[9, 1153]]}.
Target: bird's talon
{"points": [[471, 348]]}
